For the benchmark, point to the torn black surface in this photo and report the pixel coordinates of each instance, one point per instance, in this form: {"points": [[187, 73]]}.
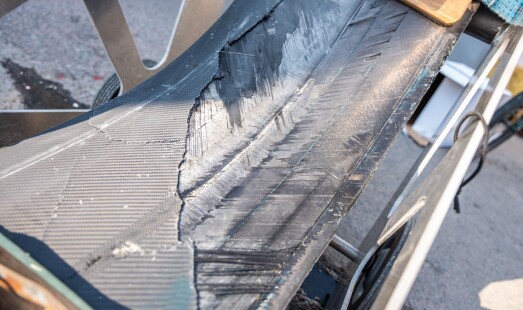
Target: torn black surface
{"points": [[259, 72]]}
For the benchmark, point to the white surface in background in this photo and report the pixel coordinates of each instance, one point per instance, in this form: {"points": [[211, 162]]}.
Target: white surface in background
{"points": [[457, 76], [507, 295]]}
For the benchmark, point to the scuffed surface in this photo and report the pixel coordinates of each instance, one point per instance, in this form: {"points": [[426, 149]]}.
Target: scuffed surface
{"points": [[256, 79], [261, 202]]}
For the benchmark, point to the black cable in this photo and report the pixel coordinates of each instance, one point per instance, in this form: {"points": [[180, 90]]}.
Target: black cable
{"points": [[483, 152]]}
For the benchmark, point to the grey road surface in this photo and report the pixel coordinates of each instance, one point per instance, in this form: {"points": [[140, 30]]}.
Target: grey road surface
{"points": [[477, 258]]}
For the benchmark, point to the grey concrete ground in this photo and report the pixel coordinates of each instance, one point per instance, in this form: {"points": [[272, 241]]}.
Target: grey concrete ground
{"points": [[474, 251]]}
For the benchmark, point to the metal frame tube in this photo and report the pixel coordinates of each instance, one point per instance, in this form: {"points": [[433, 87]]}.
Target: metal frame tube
{"points": [[441, 186]]}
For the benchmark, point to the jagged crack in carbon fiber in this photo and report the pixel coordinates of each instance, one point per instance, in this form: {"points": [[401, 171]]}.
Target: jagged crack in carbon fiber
{"points": [[221, 179]]}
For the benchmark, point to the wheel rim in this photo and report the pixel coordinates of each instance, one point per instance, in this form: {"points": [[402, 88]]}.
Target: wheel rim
{"points": [[376, 269]]}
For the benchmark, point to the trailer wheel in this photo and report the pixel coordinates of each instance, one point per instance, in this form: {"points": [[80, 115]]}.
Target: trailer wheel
{"points": [[111, 87], [377, 265]]}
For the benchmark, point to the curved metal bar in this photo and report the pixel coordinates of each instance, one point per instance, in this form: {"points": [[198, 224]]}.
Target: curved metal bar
{"points": [[109, 21], [193, 19]]}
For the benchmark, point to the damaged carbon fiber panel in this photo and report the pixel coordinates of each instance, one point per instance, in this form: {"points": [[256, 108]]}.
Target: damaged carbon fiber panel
{"points": [[221, 179]]}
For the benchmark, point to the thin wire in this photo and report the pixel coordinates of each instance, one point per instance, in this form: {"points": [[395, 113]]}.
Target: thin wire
{"points": [[483, 153]]}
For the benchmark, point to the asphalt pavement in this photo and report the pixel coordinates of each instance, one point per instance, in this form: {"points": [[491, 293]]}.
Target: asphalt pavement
{"points": [[477, 258]]}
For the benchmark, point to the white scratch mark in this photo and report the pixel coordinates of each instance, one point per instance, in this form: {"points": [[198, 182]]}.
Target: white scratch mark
{"points": [[126, 249], [236, 53]]}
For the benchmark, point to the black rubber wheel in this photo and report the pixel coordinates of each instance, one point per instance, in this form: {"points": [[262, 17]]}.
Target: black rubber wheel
{"points": [[111, 87], [507, 121], [376, 269], [109, 90]]}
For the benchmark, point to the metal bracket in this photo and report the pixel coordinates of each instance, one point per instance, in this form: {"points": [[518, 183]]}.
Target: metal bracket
{"points": [[194, 18]]}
